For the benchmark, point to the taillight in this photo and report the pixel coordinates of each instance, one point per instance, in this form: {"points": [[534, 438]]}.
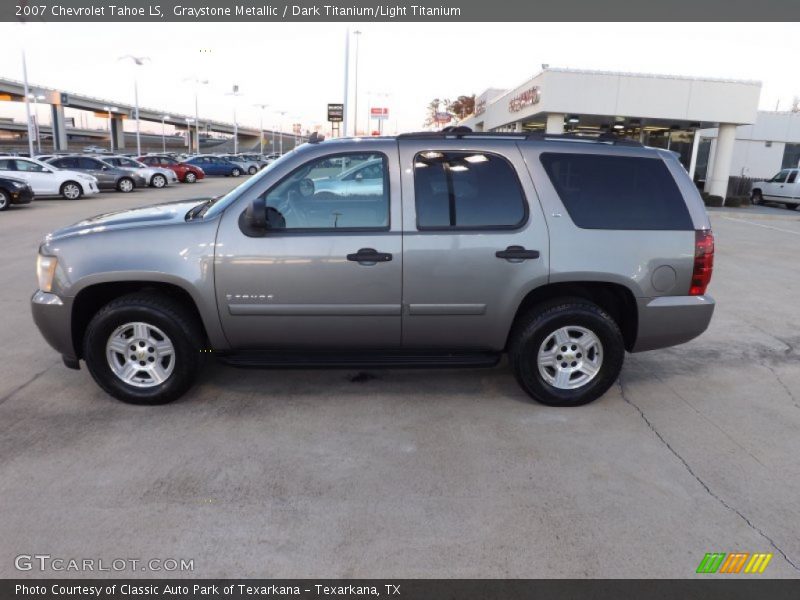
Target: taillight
{"points": [[703, 261]]}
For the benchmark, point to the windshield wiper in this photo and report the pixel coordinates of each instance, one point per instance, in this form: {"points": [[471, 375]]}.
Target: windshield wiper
{"points": [[197, 212]]}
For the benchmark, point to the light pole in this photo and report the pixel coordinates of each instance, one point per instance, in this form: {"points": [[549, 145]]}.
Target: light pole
{"points": [[357, 33], [189, 122], [197, 83], [163, 135], [36, 98], [235, 93], [110, 109], [282, 113], [345, 102], [138, 61], [27, 102], [261, 128]]}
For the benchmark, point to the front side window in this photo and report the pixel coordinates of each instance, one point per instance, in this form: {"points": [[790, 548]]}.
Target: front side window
{"points": [[617, 192], [320, 195], [781, 176], [467, 190]]}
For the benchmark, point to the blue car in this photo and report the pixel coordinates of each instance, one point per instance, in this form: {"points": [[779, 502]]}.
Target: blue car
{"points": [[214, 165]]}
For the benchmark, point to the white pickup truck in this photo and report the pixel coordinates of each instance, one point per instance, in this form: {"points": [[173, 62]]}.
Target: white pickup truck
{"points": [[784, 188]]}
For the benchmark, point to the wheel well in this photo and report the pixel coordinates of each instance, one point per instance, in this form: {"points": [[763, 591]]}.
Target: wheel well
{"points": [[615, 299], [61, 187], [91, 299]]}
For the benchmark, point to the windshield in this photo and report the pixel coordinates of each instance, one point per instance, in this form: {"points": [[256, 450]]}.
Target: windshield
{"points": [[221, 203]]}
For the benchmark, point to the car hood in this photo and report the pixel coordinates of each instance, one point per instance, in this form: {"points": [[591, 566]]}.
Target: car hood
{"points": [[148, 216]]}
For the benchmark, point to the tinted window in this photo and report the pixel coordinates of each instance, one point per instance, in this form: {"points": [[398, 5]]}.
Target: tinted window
{"points": [[466, 190], [318, 195], [24, 165], [66, 163], [792, 177], [8, 165], [617, 192], [781, 176], [89, 163]]}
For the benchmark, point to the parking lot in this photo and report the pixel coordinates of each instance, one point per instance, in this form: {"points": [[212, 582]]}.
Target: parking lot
{"points": [[415, 473]]}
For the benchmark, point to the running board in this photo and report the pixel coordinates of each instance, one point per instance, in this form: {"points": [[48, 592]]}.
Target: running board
{"points": [[364, 359]]}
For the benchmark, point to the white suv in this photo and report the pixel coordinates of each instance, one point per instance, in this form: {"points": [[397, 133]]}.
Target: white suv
{"points": [[47, 180], [783, 188]]}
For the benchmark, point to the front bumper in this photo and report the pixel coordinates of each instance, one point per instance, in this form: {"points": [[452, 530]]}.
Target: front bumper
{"points": [[21, 196], [53, 316], [670, 320]]}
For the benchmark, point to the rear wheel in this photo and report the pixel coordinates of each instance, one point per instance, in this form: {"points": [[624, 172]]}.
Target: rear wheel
{"points": [[235, 172], [252, 170], [158, 181], [125, 185], [566, 353], [71, 190], [5, 201], [189, 177], [143, 349]]}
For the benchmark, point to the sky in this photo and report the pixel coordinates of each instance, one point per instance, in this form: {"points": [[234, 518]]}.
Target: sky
{"points": [[299, 67]]}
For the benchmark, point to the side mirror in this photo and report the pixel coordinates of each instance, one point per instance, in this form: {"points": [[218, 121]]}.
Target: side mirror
{"points": [[359, 177], [104, 168], [255, 214]]}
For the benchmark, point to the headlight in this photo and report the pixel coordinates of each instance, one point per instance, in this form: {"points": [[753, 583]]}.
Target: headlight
{"points": [[45, 271]]}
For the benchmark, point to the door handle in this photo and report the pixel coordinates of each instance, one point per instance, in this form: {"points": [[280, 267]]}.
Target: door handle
{"points": [[516, 252], [369, 256]]}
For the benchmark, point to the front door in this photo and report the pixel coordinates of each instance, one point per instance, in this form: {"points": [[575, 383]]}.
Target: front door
{"points": [[326, 274], [474, 243], [775, 189]]}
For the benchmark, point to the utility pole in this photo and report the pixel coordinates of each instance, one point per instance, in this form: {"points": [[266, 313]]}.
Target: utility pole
{"points": [[27, 102], [346, 81]]}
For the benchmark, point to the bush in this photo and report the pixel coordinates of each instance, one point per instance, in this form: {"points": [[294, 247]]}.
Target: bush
{"points": [[713, 200], [738, 201]]}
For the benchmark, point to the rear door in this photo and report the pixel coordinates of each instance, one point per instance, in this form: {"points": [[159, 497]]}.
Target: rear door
{"points": [[474, 242]]}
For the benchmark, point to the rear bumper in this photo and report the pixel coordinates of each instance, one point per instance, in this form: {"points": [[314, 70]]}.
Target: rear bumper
{"points": [[53, 316], [671, 320]]}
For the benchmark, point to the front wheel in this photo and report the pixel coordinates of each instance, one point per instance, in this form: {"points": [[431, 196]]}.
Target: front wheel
{"points": [[756, 197], [189, 177], [143, 349], [566, 353], [158, 181], [71, 190], [235, 172], [125, 185]]}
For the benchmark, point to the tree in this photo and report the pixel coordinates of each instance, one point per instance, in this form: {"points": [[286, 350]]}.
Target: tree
{"points": [[432, 109], [463, 106]]}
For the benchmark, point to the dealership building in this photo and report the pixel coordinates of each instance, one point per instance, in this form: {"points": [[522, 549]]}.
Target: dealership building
{"points": [[713, 124]]}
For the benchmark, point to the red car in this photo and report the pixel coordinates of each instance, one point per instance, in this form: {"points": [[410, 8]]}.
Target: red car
{"points": [[186, 173]]}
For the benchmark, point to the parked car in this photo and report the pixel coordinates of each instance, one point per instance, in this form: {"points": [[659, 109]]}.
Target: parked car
{"points": [[562, 253], [185, 172], [258, 159], [156, 177], [48, 180], [108, 177], [214, 165], [364, 179], [251, 167], [14, 191], [96, 150], [783, 187]]}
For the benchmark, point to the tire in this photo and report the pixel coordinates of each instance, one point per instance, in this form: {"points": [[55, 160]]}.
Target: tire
{"points": [[542, 329], [252, 170], [235, 172], [158, 181], [756, 197], [5, 201], [189, 177], [126, 185], [71, 190], [137, 318]]}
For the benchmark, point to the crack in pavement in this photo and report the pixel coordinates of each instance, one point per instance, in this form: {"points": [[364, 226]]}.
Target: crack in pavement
{"points": [[784, 386], [22, 386], [699, 480]]}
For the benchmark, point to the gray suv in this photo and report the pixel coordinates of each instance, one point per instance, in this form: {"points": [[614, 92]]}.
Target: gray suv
{"points": [[561, 252]]}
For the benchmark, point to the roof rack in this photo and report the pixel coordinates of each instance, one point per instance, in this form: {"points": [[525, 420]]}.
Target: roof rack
{"points": [[460, 132]]}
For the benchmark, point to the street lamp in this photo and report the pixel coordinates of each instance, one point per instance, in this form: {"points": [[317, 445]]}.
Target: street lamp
{"points": [[138, 61], [197, 83], [110, 109], [36, 98], [261, 127], [235, 93], [357, 33], [27, 102], [189, 122], [163, 136], [282, 113]]}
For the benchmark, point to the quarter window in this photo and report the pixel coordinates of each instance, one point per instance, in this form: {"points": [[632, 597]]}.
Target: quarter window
{"points": [[617, 192], [467, 190], [323, 194]]}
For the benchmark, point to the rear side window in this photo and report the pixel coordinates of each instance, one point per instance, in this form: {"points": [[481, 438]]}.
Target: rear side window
{"points": [[467, 190], [617, 192]]}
